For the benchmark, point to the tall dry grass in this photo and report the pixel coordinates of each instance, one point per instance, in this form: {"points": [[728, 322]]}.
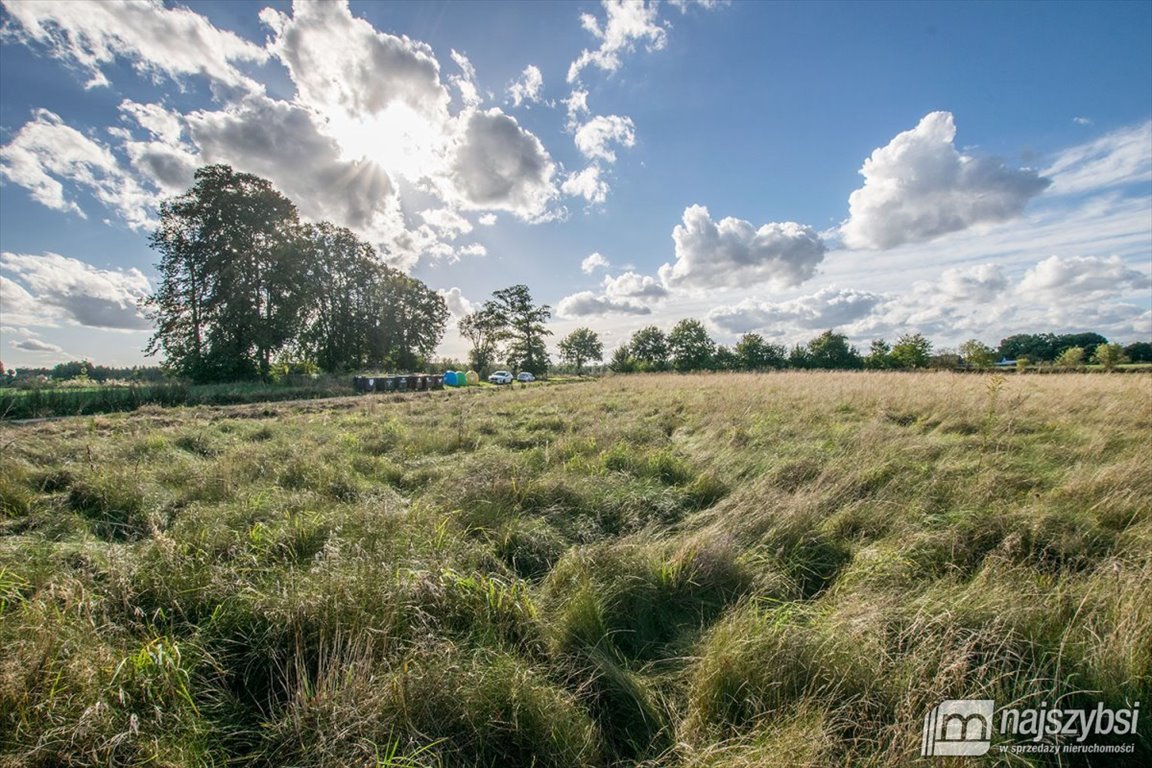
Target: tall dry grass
{"points": [[721, 570]]}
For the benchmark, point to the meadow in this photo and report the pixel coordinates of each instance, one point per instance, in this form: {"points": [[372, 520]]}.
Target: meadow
{"points": [[78, 399], [671, 571]]}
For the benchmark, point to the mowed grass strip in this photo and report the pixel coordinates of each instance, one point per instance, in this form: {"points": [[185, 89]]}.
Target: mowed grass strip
{"points": [[713, 570]]}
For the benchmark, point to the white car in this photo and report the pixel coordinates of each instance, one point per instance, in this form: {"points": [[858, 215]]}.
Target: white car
{"points": [[525, 376], [501, 377]]}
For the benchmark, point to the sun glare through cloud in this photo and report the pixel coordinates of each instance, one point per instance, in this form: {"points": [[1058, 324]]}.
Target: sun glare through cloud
{"points": [[398, 139], [470, 155]]}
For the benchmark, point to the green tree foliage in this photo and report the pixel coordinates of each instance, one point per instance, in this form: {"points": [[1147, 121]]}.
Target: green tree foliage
{"points": [[879, 355], [1073, 357], [523, 323], [1035, 346], [831, 350], [581, 346], [912, 350], [340, 272], [1109, 356], [945, 360], [231, 277], [754, 354], [799, 357], [243, 282], [1046, 347], [977, 354], [361, 313], [1139, 352], [1085, 341], [725, 359], [622, 360], [689, 346], [406, 321], [649, 348], [485, 329]]}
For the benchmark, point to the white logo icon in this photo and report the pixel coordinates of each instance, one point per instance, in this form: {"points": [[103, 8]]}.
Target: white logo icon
{"points": [[958, 727]]}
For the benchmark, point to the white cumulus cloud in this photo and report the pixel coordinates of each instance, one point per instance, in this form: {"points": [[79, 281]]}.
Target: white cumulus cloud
{"points": [[527, 88], [575, 105], [920, 187], [341, 64], [979, 283], [458, 306], [46, 152], [465, 82], [157, 40], [79, 292], [161, 122], [632, 285], [587, 303], [732, 252], [626, 23], [501, 166], [1081, 278], [587, 184], [595, 138], [593, 262], [19, 307], [827, 308]]}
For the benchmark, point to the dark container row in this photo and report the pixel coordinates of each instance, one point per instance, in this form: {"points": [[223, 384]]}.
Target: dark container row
{"points": [[414, 382]]}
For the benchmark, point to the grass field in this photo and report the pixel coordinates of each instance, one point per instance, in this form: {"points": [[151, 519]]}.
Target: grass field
{"points": [[70, 400], [661, 572]]}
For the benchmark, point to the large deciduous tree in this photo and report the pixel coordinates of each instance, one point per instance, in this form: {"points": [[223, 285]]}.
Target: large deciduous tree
{"points": [[879, 355], [977, 354], [406, 321], [649, 348], [340, 271], [690, 346], [580, 346], [755, 354], [242, 281], [1109, 356], [485, 329], [1139, 352], [231, 276], [523, 323], [912, 350], [831, 350]]}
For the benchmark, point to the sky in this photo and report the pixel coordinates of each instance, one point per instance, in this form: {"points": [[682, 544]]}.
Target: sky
{"points": [[962, 170]]}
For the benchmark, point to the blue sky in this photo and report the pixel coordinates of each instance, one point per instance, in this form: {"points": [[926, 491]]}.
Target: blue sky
{"points": [[965, 170]]}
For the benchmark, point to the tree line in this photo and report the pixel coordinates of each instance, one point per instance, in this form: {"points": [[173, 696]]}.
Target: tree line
{"points": [[82, 370], [245, 288], [244, 284], [688, 347]]}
